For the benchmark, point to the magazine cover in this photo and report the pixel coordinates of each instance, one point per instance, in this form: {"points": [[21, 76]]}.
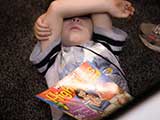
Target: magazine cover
{"points": [[86, 94]]}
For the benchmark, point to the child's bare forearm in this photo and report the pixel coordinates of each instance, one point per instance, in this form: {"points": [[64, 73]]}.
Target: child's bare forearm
{"points": [[102, 20], [70, 8], [60, 9]]}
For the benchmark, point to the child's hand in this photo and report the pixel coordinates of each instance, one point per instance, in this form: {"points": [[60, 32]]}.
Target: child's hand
{"points": [[120, 8], [41, 30]]}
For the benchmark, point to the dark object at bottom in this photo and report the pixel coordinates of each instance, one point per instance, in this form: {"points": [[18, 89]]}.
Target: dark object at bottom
{"points": [[66, 117]]}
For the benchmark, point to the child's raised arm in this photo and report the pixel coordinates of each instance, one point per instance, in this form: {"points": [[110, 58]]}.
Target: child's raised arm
{"points": [[60, 9]]}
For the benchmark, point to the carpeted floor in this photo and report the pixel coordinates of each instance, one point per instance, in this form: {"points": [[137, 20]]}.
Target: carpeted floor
{"points": [[19, 80]]}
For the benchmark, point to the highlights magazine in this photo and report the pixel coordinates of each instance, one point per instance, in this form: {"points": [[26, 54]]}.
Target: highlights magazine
{"points": [[86, 94]]}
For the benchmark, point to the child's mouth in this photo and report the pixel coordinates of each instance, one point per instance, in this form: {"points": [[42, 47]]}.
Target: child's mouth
{"points": [[75, 28]]}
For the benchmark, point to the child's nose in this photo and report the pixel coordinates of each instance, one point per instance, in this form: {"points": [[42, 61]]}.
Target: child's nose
{"points": [[75, 19]]}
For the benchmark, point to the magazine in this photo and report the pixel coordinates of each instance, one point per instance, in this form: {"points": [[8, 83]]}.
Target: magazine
{"points": [[86, 94]]}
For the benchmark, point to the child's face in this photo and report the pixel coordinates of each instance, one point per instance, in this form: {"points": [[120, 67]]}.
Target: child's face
{"points": [[77, 30]]}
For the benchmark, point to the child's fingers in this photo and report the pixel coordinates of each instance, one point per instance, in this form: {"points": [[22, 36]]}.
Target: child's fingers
{"points": [[41, 29], [43, 34], [128, 8], [41, 24], [125, 14], [132, 11], [41, 38], [127, 3]]}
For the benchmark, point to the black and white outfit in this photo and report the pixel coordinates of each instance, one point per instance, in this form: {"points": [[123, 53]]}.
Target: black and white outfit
{"points": [[57, 61]]}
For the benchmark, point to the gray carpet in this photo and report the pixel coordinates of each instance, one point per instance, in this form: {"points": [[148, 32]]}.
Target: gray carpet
{"points": [[19, 80]]}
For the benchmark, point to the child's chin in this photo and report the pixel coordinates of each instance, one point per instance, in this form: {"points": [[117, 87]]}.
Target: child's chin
{"points": [[76, 39]]}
